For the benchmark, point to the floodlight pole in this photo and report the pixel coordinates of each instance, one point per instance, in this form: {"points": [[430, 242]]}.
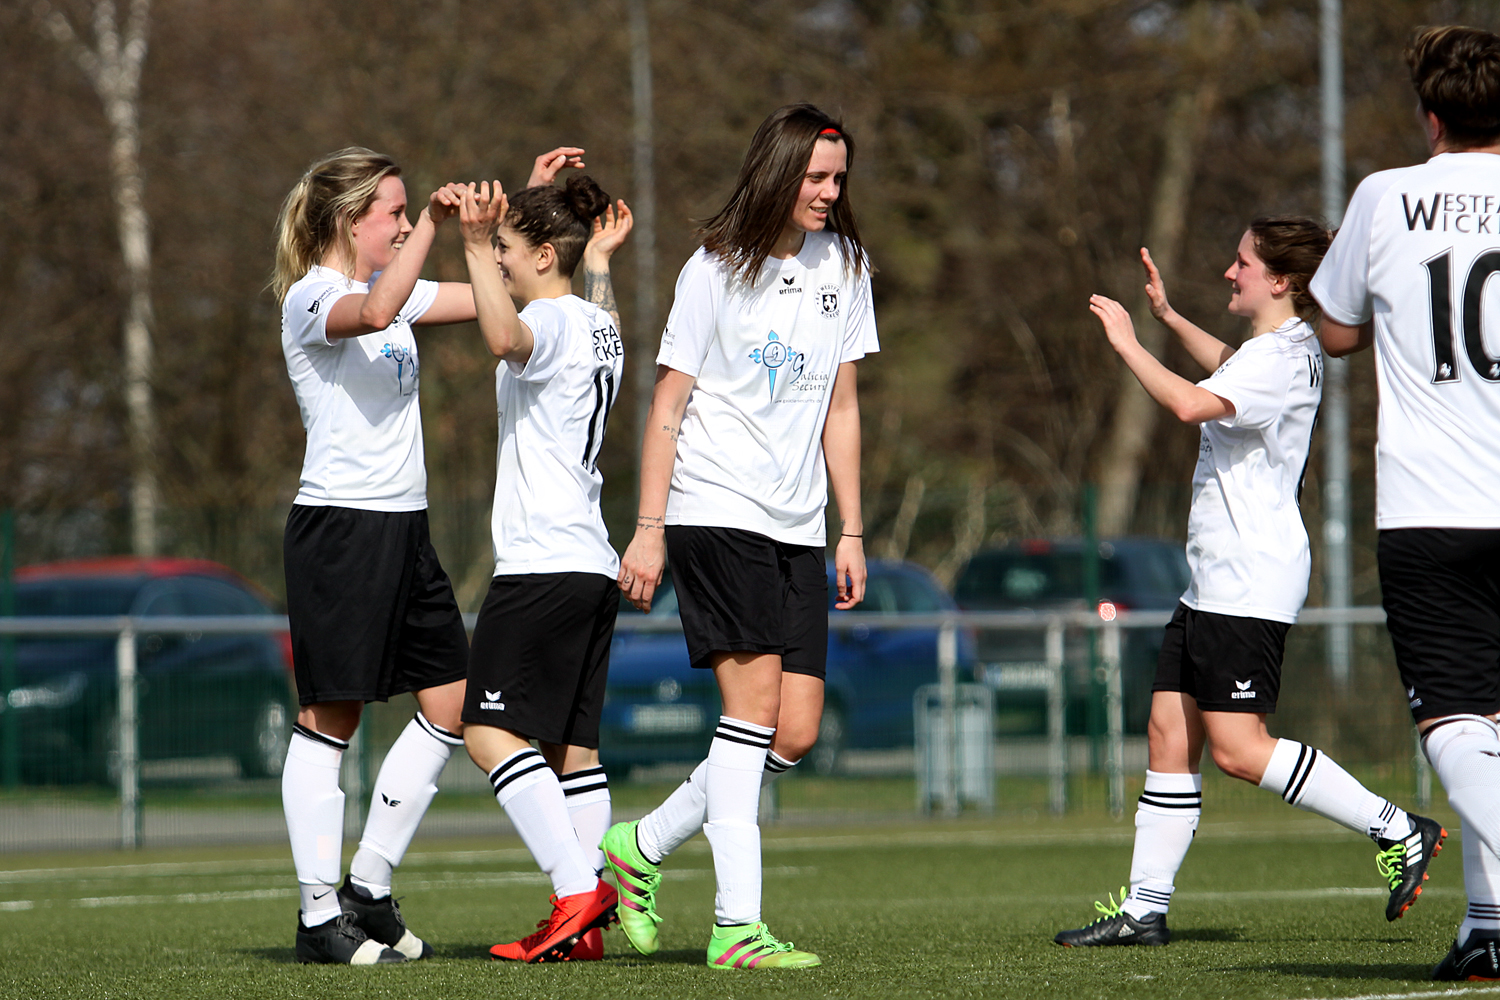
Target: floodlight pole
{"points": [[1335, 370]]}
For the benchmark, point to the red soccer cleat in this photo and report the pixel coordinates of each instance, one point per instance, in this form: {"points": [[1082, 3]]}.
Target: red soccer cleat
{"points": [[562, 934]]}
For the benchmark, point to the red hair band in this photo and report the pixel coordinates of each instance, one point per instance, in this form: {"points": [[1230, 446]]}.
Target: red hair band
{"points": [[831, 131]]}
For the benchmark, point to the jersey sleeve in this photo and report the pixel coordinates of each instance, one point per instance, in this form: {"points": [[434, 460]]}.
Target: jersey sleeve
{"points": [[859, 334], [1255, 381], [1342, 282], [692, 322], [549, 342], [422, 297], [306, 311]]}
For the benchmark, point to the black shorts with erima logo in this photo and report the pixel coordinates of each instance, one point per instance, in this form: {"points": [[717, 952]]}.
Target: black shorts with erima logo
{"points": [[1226, 662]]}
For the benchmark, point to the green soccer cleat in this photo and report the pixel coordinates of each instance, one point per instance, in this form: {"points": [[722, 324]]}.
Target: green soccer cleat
{"points": [[638, 880], [751, 946]]}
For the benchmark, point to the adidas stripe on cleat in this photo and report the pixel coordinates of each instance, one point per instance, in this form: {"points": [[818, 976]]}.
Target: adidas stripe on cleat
{"points": [[381, 919], [1403, 863], [557, 937], [639, 879], [1116, 927], [340, 942], [1476, 960], [751, 946]]}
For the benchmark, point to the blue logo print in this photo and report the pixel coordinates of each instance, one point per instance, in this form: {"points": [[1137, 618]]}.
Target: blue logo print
{"points": [[406, 367], [776, 354]]}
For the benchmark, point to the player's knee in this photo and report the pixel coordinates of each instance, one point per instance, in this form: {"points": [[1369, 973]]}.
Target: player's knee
{"points": [[1237, 763], [795, 741]]}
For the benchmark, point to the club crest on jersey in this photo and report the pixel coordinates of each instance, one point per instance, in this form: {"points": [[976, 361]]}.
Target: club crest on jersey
{"points": [[775, 355], [828, 301], [406, 367]]}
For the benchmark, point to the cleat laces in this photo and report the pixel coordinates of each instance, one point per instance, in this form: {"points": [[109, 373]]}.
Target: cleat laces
{"points": [[1110, 910], [544, 927], [1391, 864]]}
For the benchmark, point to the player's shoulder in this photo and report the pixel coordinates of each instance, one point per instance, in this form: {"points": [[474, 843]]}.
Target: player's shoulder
{"points": [[311, 292]]}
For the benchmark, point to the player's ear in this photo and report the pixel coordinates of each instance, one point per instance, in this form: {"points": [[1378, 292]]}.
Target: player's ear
{"points": [[546, 257]]}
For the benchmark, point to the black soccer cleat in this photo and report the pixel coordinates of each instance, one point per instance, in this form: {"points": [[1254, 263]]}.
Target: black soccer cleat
{"points": [[1117, 927], [341, 942], [1477, 960], [381, 920], [1403, 863]]}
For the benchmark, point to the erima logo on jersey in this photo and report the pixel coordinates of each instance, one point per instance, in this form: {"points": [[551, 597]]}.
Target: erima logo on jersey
{"points": [[492, 702], [1242, 690], [393, 803], [774, 355], [1411, 697], [790, 286]]}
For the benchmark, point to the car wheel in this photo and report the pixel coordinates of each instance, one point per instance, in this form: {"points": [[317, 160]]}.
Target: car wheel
{"points": [[830, 746], [265, 750]]}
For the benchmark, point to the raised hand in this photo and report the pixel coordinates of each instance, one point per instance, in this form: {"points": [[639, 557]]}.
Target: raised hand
{"points": [[1156, 289], [547, 166], [1117, 325], [610, 230], [443, 203], [480, 210]]}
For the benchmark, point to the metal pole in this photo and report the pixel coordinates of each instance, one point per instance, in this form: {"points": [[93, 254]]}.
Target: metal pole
{"points": [[644, 209], [1335, 370], [1057, 737], [130, 762], [1114, 711], [947, 657]]}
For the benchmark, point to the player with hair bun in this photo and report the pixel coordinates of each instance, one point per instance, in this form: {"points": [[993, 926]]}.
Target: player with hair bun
{"points": [[541, 646], [1220, 667]]}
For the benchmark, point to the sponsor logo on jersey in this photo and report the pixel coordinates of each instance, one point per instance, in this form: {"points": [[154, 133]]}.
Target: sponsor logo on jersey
{"points": [[828, 301], [789, 286], [607, 343], [492, 702], [406, 367], [1242, 690], [317, 303], [776, 355]]}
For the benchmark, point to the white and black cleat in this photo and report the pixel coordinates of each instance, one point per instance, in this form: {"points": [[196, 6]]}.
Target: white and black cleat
{"points": [[381, 920], [1403, 863], [1477, 959], [340, 942]]}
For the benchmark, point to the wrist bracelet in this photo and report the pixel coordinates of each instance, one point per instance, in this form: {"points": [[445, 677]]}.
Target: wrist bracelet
{"points": [[847, 535]]}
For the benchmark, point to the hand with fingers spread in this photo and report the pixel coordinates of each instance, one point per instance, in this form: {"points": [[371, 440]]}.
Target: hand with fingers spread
{"points": [[1117, 323], [610, 230], [481, 208], [1156, 289], [547, 166], [442, 204]]}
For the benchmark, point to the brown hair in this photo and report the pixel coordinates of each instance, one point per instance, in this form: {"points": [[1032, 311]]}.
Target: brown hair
{"points": [[563, 217], [745, 230], [1292, 247], [1455, 71], [320, 211]]}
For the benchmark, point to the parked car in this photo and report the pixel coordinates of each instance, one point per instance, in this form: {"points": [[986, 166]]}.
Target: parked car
{"points": [[1140, 574], [658, 709], [199, 695]]}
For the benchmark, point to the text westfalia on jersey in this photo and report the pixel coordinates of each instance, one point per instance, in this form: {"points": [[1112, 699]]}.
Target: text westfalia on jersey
{"points": [[1453, 212]]}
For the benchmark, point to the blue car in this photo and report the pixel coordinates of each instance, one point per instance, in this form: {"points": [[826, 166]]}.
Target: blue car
{"points": [[658, 709]]}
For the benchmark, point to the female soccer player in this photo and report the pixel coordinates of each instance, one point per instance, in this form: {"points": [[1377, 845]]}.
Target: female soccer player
{"points": [[1220, 667], [372, 612], [541, 646], [755, 394]]}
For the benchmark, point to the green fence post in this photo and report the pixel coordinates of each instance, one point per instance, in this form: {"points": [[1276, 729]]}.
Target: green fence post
{"points": [[10, 735]]}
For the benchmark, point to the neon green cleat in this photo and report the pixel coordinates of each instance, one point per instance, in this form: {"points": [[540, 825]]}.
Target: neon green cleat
{"points": [[638, 880], [751, 946]]}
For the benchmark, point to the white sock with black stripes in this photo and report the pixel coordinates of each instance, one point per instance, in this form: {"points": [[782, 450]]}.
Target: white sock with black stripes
{"points": [[1482, 885], [403, 790], [1465, 753], [736, 761], [587, 793], [529, 792], [675, 821], [1309, 779], [1166, 819], [314, 807]]}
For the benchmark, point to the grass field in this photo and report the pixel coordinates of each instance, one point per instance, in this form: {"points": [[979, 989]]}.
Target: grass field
{"points": [[1270, 904]]}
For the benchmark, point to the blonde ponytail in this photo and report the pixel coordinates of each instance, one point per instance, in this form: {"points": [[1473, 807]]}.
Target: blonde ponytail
{"points": [[319, 212]]}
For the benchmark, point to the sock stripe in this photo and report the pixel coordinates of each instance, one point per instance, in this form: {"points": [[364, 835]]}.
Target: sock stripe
{"points": [[580, 789], [1152, 895], [777, 764], [729, 729], [437, 732], [1149, 799], [1307, 759], [524, 763], [1485, 911], [317, 737], [764, 743]]}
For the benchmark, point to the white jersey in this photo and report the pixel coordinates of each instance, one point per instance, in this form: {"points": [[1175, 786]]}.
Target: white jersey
{"points": [[358, 397], [552, 411], [1247, 547], [1416, 252], [750, 451]]}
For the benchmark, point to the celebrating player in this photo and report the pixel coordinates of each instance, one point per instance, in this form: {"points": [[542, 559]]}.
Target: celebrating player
{"points": [[1410, 272], [1220, 667], [541, 646], [755, 393]]}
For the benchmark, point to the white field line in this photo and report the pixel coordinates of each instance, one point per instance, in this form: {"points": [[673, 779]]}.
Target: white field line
{"points": [[1457, 991]]}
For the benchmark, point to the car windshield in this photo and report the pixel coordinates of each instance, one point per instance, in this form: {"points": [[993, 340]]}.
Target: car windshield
{"points": [[1023, 579], [68, 598]]}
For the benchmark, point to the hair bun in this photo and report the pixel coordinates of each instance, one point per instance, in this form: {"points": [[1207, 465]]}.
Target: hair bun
{"points": [[584, 197]]}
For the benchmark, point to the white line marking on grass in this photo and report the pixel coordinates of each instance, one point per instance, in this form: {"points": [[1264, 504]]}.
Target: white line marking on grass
{"points": [[1457, 991]]}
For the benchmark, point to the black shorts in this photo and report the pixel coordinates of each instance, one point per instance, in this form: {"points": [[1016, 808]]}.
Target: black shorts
{"points": [[1441, 591], [739, 591], [1227, 663], [541, 656], [372, 612]]}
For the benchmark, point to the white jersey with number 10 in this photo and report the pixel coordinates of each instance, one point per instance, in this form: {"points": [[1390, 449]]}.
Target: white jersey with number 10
{"points": [[1416, 252]]}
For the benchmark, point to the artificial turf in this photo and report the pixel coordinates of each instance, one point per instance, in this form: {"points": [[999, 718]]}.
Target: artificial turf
{"points": [[1269, 904]]}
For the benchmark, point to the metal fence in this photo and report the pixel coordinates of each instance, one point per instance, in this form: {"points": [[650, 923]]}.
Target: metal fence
{"points": [[962, 748]]}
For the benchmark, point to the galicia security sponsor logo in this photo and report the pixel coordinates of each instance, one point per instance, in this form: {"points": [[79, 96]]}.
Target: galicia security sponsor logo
{"points": [[1242, 690], [776, 355], [492, 702], [406, 367]]}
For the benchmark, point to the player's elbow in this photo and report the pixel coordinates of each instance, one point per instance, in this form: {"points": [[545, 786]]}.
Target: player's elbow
{"points": [[376, 318]]}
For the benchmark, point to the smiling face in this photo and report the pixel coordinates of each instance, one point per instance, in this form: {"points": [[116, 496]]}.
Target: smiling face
{"points": [[379, 233], [821, 186], [519, 263], [1253, 289]]}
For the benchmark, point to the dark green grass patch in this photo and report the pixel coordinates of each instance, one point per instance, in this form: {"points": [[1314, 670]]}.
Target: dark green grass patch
{"points": [[1269, 905]]}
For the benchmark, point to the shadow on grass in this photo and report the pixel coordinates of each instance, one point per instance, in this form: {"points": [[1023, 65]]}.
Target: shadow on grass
{"points": [[1342, 970], [276, 956], [1207, 934], [676, 956]]}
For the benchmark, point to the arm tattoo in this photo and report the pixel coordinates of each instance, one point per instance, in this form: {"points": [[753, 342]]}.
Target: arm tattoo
{"points": [[642, 521], [599, 290], [672, 432]]}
